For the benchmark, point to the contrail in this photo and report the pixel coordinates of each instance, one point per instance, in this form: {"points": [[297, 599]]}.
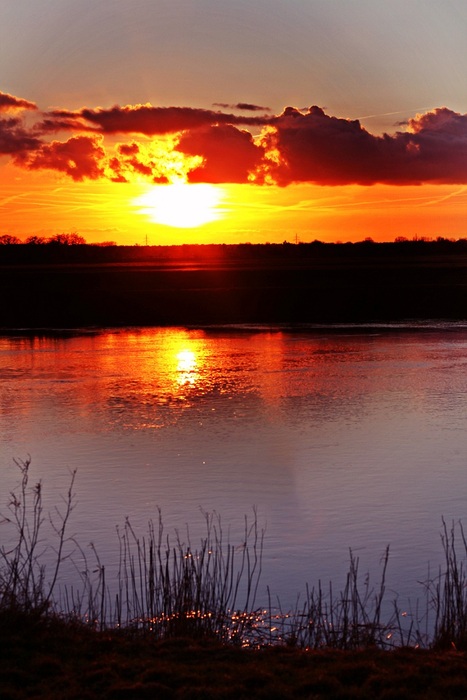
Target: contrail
{"points": [[390, 114]]}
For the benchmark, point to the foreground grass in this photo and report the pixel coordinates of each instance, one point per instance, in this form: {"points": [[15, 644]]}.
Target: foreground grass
{"points": [[61, 660]]}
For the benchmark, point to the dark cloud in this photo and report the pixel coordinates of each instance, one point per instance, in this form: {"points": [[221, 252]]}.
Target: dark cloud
{"points": [[80, 157], [10, 102], [128, 149], [244, 106], [52, 125], [315, 147], [15, 138], [116, 170], [296, 146], [440, 120], [229, 154], [142, 119]]}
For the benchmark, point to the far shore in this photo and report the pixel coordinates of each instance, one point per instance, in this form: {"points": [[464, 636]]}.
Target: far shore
{"points": [[83, 285]]}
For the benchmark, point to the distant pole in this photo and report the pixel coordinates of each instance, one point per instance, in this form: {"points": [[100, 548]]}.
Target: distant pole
{"points": [[146, 239]]}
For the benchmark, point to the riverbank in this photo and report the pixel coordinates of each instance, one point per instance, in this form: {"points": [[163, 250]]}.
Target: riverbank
{"points": [[63, 661], [205, 285], [180, 640]]}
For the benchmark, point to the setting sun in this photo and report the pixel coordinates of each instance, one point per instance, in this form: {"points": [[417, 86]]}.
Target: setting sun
{"points": [[234, 142], [181, 205]]}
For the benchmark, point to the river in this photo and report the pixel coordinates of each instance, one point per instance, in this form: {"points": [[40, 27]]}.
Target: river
{"points": [[338, 438]]}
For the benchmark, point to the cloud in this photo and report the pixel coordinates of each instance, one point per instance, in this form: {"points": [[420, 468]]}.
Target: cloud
{"points": [[441, 120], [128, 149], [203, 145], [314, 147], [141, 119], [157, 160], [229, 154], [80, 157], [52, 125], [132, 158], [10, 102], [15, 138], [244, 106]]}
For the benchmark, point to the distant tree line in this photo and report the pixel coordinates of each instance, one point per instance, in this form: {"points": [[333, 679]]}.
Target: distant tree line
{"points": [[67, 239], [58, 239]]}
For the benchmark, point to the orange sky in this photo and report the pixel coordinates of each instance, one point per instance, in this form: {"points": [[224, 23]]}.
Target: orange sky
{"points": [[107, 109], [43, 204]]}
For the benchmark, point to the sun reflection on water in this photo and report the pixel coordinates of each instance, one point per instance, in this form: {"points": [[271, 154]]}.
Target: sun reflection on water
{"points": [[187, 368], [149, 377]]}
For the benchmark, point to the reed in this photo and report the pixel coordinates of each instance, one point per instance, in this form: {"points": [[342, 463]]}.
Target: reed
{"points": [[352, 619], [25, 583], [175, 588], [171, 587], [447, 592]]}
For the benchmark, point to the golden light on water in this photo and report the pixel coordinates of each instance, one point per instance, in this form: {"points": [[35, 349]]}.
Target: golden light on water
{"points": [[187, 367], [186, 360], [182, 205]]}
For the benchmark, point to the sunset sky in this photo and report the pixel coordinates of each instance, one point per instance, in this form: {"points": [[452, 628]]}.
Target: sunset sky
{"points": [[210, 121]]}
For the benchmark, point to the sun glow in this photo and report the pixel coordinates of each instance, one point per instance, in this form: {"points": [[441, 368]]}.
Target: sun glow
{"points": [[182, 205], [187, 367]]}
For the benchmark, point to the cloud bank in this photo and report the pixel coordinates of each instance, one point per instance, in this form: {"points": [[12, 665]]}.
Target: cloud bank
{"points": [[205, 145], [142, 119], [10, 103]]}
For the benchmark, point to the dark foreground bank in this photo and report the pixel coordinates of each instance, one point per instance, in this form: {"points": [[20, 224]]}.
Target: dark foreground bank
{"points": [[204, 285], [66, 662]]}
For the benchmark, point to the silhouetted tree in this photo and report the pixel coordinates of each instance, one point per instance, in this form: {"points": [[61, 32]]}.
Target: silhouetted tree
{"points": [[35, 240], [67, 239], [6, 239]]}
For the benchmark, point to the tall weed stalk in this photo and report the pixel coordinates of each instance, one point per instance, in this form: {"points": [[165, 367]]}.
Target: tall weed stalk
{"points": [[448, 591], [351, 619], [173, 588], [25, 582]]}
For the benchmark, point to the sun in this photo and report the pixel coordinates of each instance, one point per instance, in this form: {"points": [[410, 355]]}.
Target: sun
{"points": [[182, 205]]}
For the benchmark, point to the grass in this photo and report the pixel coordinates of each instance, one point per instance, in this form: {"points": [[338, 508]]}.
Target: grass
{"points": [[59, 661], [182, 620]]}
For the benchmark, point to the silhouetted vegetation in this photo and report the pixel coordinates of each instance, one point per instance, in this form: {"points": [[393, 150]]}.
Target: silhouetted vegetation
{"points": [[9, 240], [218, 251], [62, 239], [72, 249]]}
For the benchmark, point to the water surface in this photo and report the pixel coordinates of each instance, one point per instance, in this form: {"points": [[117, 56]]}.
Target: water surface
{"points": [[339, 438]]}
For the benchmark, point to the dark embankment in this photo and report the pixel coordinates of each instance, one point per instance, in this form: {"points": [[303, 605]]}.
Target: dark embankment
{"points": [[68, 662], [70, 286]]}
